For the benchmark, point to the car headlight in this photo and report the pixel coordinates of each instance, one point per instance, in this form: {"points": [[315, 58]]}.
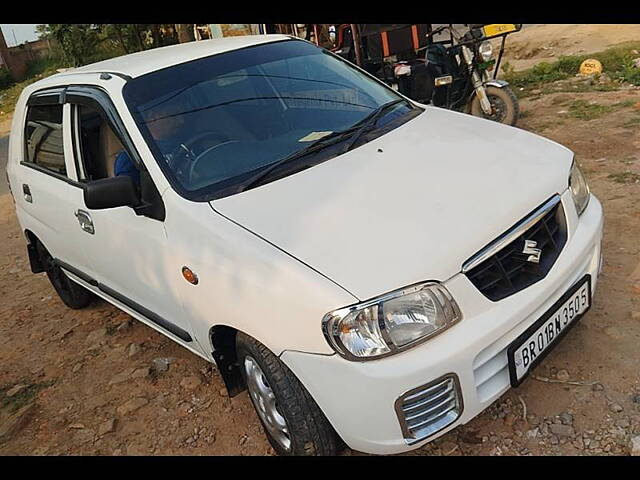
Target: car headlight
{"points": [[392, 322], [486, 51], [579, 188]]}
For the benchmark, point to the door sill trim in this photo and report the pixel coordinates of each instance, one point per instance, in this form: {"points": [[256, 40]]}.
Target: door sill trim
{"points": [[139, 309]]}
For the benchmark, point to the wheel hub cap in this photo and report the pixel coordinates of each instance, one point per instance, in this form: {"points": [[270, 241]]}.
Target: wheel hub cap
{"points": [[264, 401]]}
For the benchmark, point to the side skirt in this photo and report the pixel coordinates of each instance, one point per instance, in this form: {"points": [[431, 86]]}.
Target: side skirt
{"points": [[136, 307]]}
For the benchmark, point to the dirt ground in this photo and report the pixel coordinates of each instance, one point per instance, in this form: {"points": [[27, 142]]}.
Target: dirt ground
{"points": [[5, 125], [546, 42], [87, 384], [89, 370]]}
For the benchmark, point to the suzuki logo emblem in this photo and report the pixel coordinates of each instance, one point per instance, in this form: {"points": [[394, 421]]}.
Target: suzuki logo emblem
{"points": [[531, 250]]}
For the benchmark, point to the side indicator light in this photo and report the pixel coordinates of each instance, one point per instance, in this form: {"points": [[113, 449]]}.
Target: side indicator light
{"points": [[189, 276]]}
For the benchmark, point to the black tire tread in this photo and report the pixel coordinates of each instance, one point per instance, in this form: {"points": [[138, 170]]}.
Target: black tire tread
{"points": [[310, 431], [76, 296], [476, 110]]}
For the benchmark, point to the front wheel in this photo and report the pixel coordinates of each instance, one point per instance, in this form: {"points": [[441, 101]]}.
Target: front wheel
{"points": [[292, 421], [504, 104]]}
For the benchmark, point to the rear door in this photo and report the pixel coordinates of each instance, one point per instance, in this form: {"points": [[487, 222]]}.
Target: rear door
{"points": [[47, 195]]}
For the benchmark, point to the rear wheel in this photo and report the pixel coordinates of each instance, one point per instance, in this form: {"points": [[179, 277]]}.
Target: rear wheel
{"points": [[504, 104], [72, 295], [292, 421]]}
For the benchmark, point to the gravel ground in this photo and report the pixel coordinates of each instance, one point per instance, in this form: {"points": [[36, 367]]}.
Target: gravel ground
{"points": [[4, 146]]}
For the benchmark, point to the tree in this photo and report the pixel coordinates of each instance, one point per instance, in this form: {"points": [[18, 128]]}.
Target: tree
{"points": [[185, 32], [82, 44], [78, 42], [122, 35], [42, 31]]}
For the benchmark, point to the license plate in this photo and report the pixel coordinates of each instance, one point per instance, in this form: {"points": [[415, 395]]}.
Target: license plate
{"points": [[537, 341], [498, 29]]}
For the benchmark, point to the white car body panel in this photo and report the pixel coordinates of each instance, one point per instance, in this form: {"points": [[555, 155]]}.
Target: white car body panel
{"points": [[474, 349], [374, 222], [246, 283]]}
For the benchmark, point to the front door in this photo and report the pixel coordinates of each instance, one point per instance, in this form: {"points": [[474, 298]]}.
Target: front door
{"points": [[128, 252]]}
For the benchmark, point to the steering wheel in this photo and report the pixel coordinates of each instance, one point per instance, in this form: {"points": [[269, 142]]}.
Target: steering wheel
{"points": [[183, 155], [193, 175]]}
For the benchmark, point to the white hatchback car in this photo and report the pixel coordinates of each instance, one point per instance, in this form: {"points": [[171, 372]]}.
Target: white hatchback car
{"points": [[370, 269]]}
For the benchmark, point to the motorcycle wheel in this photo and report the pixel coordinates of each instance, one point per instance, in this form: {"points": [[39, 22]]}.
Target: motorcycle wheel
{"points": [[504, 102]]}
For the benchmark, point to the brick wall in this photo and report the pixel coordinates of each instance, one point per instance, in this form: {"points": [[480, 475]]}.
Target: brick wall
{"points": [[16, 59]]}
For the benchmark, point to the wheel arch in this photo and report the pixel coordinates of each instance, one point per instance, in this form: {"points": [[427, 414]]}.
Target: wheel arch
{"points": [[37, 266], [222, 339]]}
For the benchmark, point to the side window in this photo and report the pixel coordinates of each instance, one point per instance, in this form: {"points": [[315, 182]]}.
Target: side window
{"points": [[99, 151], [43, 138]]}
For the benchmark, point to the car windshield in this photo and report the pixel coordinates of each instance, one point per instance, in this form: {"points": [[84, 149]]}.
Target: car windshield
{"points": [[217, 124]]}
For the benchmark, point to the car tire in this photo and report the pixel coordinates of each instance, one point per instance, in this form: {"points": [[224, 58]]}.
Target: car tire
{"points": [[505, 102], [283, 404], [72, 295]]}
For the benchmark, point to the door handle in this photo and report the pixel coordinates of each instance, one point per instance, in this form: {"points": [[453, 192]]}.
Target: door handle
{"points": [[26, 191], [84, 219]]}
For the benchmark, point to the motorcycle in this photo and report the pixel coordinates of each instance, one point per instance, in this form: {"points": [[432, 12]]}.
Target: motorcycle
{"points": [[458, 70], [453, 73]]}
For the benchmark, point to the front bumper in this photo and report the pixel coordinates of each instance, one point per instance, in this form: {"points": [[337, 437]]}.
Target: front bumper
{"points": [[359, 398]]}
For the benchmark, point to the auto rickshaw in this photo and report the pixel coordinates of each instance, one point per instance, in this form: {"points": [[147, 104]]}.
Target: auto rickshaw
{"points": [[451, 72]]}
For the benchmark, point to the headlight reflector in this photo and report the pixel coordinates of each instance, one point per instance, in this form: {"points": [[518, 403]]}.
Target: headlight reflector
{"points": [[486, 51], [579, 188], [359, 333], [392, 322]]}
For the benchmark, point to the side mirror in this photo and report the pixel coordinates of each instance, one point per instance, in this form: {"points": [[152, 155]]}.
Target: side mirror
{"points": [[110, 193]]}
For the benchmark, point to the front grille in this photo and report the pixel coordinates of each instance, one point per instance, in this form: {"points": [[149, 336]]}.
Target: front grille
{"points": [[507, 270], [428, 409]]}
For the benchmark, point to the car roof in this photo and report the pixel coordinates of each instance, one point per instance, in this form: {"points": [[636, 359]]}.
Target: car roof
{"points": [[141, 63]]}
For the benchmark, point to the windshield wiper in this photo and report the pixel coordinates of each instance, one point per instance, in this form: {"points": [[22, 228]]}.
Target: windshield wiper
{"points": [[359, 128], [320, 144], [369, 122]]}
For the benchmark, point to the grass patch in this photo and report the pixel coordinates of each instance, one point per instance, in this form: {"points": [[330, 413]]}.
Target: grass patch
{"points": [[632, 122], [583, 110], [547, 125], [5, 78], [625, 104], [585, 87], [37, 70], [625, 177], [23, 397], [43, 65], [617, 63], [581, 87], [9, 96], [561, 100], [543, 72]]}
